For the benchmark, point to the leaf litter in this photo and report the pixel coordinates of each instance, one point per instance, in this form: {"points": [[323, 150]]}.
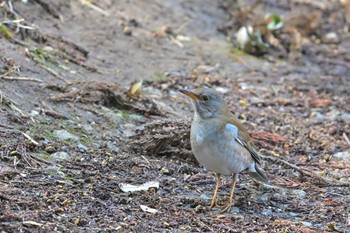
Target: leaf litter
{"points": [[297, 115]]}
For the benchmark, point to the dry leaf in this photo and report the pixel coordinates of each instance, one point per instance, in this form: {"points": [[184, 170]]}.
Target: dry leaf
{"points": [[321, 102], [143, 187], [148, 209], [265, 136], [135, 89]]}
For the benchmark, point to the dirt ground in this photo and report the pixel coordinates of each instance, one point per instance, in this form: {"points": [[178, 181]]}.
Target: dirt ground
{"points": [[75, 127]]}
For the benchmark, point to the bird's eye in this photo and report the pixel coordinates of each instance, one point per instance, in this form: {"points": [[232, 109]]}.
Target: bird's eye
{"points": [[205, 98]]}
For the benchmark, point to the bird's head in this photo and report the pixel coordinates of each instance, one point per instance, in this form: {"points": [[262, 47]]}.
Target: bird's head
{"points": [[207, 102]]}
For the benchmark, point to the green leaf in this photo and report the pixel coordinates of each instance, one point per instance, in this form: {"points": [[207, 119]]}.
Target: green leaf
{"points": [[5, 31], [275, 23]]}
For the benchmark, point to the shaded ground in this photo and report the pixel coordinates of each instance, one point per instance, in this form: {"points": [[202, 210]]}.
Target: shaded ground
{"points": [[71, 132]]}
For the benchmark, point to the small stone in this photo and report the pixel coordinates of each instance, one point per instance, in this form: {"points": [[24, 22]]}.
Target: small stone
{"points": [[82, 147], [127, 31], [65, 135], [307, 224], [129, 130], [204, 197], [342, 155], [137, 117], [55, 171], [318, 115], [266, 212], [165, 171], [50, 149], [111, 116], [299, 193], [34, 113], [59, 156], [293, 214], [112, 146], [235, 210], [177, 74], [87, 128], [222, 90], [345, 116], [331, 37]]}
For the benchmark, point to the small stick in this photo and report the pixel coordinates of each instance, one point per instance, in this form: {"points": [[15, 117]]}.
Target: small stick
{"points": [[30, 139], [94, 7], [22, 79], [304, 171], [146, 159], [54, 73], [346, 138], [54, 114], [11, 70]]}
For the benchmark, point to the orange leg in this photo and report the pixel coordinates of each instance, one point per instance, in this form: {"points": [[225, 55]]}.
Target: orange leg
{"points": [[228, 206], [214, 198]]}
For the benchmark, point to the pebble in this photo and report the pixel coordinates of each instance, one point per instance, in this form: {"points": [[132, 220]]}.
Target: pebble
{"points": [[222, 90], [331, 37], [345, 116], [342, 155], [307, 224], [266, 212], [55, 171], [205, 197], [299, 193], [293, 214], [34, 113], [112, 146], [60, 156], [82, 147], [64, 135], [235, 210]]}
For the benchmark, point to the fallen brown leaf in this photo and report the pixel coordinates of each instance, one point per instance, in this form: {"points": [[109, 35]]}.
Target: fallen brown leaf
{"points": [[265, 136], [321, 102]]}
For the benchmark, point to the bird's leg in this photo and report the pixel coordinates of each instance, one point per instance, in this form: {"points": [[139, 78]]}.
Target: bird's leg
{"points": [[214, 199], [229, 204]]}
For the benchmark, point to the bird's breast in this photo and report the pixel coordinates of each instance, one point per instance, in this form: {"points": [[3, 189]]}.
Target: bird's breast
{"points": [[216, 149]]}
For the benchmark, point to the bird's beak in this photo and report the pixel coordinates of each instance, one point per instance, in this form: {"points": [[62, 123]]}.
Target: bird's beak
{"points": [[189, 94]]}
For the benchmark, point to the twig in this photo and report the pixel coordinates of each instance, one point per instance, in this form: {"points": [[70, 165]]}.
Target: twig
{"points": [[202, 224], [11, 104], [30, 139], [11, 70], [22, 79], [17, 22], [40, 160], [346, 138], [146, 159], [53, 114], [94, 7], [54, 73], [305, 172]]}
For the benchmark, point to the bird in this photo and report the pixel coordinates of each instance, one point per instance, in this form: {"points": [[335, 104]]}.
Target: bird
{"points": [[219, 141]]}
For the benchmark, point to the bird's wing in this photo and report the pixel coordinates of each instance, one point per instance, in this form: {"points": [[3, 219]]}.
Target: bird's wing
{"points": [[244, 139]]}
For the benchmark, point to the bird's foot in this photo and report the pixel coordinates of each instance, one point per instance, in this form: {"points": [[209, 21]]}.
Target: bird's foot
{"points": [[215, 203], [226, 208]]}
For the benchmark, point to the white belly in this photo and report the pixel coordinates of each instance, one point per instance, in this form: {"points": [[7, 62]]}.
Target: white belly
{"points": [[218, 151]]}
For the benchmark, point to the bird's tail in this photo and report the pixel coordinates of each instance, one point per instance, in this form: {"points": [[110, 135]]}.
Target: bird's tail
{"points": [[259, 175]]}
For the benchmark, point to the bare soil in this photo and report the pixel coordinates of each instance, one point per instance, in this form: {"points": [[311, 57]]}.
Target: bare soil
{"points": [[72, 129]]}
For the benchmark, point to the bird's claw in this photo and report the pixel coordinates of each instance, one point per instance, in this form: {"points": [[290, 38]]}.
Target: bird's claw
{"points": [[227, 208], [215, 203]]}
